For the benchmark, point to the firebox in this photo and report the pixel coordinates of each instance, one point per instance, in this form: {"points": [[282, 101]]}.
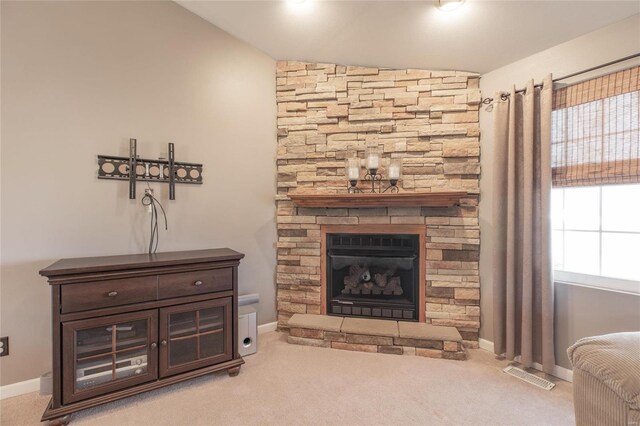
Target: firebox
{"points": [[373, 275]]}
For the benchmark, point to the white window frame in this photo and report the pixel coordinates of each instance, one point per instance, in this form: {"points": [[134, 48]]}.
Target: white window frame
{"points": [[597, 281], [600, 282]]}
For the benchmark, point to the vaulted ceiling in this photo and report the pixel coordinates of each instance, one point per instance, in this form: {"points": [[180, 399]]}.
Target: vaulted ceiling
{"points": [[480, 36]]}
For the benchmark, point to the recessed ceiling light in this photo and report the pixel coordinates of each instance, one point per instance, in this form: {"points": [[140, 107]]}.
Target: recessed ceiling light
{"points": [[300, 6], [449, 5]]}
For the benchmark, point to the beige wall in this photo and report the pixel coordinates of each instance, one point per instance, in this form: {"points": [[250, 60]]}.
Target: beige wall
{"points": [[583, 311], [79, 79], [606, 44]]}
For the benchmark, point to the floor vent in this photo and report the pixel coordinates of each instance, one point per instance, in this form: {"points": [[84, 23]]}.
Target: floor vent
{"points": [[529, 378]]}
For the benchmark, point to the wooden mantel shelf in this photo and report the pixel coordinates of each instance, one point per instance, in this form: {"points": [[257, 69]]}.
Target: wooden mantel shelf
{"points": [[401, 199]]}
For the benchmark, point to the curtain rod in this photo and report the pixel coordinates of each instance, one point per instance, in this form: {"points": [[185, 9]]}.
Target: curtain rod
{"points": [[505, 96]]}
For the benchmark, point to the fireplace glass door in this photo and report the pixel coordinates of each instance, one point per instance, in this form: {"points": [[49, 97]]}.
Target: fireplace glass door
{"points": [[373, 275]]}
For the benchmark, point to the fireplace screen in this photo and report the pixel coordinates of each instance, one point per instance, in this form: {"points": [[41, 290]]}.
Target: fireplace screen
{"points": [[373, 275]]}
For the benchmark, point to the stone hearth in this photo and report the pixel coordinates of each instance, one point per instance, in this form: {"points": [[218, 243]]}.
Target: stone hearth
{"points": [[428, 119], [372, 335]]}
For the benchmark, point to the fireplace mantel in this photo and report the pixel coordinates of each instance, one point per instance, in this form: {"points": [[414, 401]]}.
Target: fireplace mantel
{"points": [[402, 199]]}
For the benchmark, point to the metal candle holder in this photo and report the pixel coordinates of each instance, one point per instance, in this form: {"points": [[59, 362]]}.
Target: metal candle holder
{"points": [[352, 188], [372, 161], [393, 186], [373, 176]]}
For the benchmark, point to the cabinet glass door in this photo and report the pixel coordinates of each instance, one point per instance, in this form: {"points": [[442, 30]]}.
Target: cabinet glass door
{"points": [[195, 335], [108, 353]]}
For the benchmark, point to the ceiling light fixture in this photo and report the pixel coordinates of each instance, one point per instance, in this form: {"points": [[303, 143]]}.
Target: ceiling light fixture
{"points": [[299, 6], [449, 5]]}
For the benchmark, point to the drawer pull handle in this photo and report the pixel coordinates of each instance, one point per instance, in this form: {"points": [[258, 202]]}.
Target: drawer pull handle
{"points": [[198, 283], [154, 345], [163, 342], [112, 294]]}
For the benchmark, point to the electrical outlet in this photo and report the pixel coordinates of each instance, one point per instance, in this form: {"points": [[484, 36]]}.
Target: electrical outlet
{"points": [[4, 346]]}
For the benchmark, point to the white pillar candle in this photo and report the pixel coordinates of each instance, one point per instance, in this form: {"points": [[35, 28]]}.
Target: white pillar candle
{"points": [[394, 172], [373, 162], [354, 173]]}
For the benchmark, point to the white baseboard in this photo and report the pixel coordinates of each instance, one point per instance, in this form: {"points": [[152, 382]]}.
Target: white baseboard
{"points": [[559, 372], [486, 345], [20, 388], [265, 328]]}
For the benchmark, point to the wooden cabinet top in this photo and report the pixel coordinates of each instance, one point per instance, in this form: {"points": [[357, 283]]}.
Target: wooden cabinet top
{"points": [[83, 265]]}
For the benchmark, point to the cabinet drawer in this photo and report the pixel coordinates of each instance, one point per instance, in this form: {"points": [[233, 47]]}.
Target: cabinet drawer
{"points": [[190, 283], [102, 294]]}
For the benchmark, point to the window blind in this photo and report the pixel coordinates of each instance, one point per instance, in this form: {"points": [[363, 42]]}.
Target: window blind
{"points": [[595, 131]]}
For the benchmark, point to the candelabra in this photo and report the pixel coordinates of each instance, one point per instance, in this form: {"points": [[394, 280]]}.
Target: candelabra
{"points": [[372, 163]]}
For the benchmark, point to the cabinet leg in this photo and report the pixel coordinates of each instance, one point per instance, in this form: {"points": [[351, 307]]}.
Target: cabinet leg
{"points": [[234, 371], [60, 421]]}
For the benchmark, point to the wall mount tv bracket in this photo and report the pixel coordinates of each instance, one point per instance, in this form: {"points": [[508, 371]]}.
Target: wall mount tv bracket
{"points": [[160, 170]]}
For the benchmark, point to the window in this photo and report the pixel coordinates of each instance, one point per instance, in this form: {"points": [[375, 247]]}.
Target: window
{"points": [[595, 131], [596, 173], [596, 234]]}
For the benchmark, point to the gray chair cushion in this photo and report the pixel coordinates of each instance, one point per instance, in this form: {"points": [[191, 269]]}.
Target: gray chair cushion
{"points": [[613, 359]]}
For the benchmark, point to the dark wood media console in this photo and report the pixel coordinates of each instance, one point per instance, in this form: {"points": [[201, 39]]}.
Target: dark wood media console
{"points": [[123, 325]]}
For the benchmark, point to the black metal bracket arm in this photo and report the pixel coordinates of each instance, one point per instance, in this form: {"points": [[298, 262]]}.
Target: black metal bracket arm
{"points": [[160, 170], [373, 176]]}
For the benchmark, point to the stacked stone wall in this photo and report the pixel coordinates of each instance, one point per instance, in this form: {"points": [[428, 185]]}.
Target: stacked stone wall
{"points": [[429, 119]]}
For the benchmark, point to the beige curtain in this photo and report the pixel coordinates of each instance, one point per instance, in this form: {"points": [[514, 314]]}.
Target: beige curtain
{"points": [[523, 285]]}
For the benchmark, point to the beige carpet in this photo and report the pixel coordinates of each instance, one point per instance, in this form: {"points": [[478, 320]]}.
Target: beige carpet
{"points": [[300, 385]]}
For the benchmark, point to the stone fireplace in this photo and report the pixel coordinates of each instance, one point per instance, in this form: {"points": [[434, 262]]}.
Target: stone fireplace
{"points": [[429, 120]]}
